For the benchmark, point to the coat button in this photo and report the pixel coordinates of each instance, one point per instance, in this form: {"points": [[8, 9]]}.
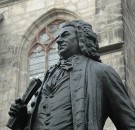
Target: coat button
{"points": [[47, 123], [36, 93], [51, 96], [32, 104], [48, 114], [44, 106]]}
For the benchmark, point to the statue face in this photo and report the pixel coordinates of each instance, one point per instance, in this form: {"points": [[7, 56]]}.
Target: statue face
{"points": [[67, 42]]}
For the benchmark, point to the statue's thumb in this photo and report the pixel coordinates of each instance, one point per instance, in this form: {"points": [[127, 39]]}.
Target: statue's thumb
{"points": [[18, 100]]}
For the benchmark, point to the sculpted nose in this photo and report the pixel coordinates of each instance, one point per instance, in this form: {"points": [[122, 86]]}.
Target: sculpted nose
{"points": [[59, 41]]}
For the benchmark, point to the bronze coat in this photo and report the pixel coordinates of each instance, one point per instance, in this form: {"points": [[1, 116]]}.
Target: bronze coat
{"points": [[97, 92]]}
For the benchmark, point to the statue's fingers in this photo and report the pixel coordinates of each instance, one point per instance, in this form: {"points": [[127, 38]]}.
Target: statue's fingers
{"points": [[18, 100], [15, 106], [14, 109], [11, 113], [23, 108]]}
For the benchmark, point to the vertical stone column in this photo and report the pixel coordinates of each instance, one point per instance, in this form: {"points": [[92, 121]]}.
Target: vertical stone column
{"points": [[128, 10]]}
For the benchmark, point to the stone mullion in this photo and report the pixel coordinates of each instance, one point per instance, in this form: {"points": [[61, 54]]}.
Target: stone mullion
{"points": [[46, 61]]}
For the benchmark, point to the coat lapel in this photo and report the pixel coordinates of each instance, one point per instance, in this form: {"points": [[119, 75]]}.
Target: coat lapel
{"points": [[78, 94]]}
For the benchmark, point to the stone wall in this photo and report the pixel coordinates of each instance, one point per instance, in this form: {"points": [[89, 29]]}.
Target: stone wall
{"points": [[109, 27], [129, 40], [24, 18]]}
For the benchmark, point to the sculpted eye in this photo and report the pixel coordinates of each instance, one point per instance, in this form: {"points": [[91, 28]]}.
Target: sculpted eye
{"points": [[65, 34]]}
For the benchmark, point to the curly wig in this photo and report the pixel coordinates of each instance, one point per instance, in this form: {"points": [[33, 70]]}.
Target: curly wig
{"points": [[88, 41]]}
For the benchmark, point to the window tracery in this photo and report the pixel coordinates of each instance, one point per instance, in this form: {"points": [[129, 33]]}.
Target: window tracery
{"points": [[44, 52]]}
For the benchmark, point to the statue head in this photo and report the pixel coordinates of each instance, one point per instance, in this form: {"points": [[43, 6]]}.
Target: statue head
{"points": [[82, 40]]}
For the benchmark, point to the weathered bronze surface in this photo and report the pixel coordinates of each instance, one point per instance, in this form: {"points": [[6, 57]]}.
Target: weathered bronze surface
{"points": [[79, 92]]}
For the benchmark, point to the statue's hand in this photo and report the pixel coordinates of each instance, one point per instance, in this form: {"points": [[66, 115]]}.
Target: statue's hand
{"points": [[17, 108], [19, 111]]}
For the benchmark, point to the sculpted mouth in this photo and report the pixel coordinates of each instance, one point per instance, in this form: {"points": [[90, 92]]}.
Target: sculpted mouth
{"points": [[61, 47]]}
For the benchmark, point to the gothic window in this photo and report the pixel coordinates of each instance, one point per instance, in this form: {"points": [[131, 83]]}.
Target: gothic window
{"points": [[43, 52]]}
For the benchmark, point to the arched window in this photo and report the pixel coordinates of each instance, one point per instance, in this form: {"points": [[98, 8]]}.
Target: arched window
{"points": [[43, 52]]}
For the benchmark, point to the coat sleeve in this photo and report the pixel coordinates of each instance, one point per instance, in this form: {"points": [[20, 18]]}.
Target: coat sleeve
{"points": [[121, 109]]}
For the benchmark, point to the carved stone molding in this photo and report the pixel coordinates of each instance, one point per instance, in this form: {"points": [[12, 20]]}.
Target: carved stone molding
{"points": [[4, 3], [111, 48], [1, 16]]}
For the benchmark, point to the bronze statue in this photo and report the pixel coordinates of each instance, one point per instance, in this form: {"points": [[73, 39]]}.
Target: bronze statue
{"points": [[79, 92]]}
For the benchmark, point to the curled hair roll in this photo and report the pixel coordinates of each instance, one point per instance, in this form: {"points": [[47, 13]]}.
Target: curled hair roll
{"points": [[88, 42]]}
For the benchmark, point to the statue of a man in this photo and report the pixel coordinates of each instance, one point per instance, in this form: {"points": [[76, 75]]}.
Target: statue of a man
{"points": [[79, 92]]}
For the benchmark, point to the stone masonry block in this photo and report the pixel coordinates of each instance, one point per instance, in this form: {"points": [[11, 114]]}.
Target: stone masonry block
{"points": [[66, 1], [91, 3], [72, 7], [87, 12], [74, 1], [82, 5]]}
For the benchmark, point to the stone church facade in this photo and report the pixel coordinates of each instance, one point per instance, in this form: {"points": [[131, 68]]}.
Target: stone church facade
{"points": [[28, 29]]}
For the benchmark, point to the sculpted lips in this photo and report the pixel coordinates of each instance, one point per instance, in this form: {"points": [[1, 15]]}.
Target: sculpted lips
{"points": [[61, 47]]}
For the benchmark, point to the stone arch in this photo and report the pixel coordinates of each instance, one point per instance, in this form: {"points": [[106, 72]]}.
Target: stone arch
{"points": [[29, 35]]}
